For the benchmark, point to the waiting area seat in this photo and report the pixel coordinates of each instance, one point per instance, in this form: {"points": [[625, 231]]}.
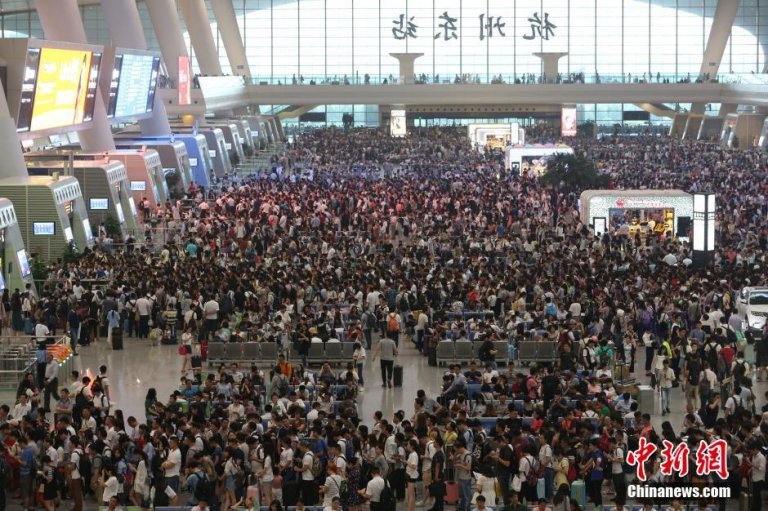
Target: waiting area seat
{"points": [[461, 352]]}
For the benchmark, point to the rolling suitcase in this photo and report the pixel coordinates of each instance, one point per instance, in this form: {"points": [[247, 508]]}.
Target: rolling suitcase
{"points": [[117, 338], [579, 492], [451, 492], [29, 326], [397, 376], [744, 501]]}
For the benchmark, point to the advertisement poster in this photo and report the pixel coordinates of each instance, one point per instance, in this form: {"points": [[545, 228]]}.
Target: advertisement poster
{"points": [[568, 122], [397, 123], [185, 81], [62, 89]]}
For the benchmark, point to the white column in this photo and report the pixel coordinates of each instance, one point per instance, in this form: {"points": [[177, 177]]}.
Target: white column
{"points": [[199, 28], [406, 65], [230, 35], [165, 21], [550, 64], [13, 160], [61, 21], [722, 23], [125, 28]]}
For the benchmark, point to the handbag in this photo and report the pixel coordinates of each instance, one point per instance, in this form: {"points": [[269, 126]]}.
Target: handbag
{"points": [[517, 484], [437, 488]]}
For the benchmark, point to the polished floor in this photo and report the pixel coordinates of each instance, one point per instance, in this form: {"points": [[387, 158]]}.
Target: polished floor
{"points": [[140, 366]]}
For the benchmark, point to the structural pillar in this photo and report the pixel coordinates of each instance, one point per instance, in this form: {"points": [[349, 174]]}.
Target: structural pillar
{"points": [[406, 65], [165, 21], [230, 35], [125, 28], [199, 28], [748, 129], [61, 21], [722, 23], [13, 159], [711, 126], [550, 61]]}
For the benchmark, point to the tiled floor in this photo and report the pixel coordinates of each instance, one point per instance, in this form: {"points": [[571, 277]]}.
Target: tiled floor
{"points": [[140, 366]]}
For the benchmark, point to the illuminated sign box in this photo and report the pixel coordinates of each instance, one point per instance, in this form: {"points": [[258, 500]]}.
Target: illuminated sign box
{"points": [[43, 228], [138, 186], [98, 204]]}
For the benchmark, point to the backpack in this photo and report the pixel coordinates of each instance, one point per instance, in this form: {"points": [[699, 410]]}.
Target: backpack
{"points": [[704, 386], [387, 498], [207, 449], [392, 325], [485, 353], [404, 305], [604, 356], [203, 489], [343, 489], [739, 409], [532, 476], [739, 370], [645, 317], [317, 466], [370, 320]]}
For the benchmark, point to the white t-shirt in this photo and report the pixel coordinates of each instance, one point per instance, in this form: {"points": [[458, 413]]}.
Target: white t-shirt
{"points": [[75, 460], [374, 488], [616, 466], [110, 489], [174, 456], [307, 461], [412, 465]]}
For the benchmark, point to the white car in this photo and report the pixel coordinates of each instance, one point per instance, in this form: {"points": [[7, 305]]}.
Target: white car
{"points": [[752, 304]]}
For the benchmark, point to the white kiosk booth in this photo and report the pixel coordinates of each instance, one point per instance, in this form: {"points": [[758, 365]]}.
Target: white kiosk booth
{"points": [[629, 211], [105, 187], [51, 212], [15, 271]]}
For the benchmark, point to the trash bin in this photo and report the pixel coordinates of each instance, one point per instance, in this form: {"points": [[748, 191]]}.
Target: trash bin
{"points": [[645, 399]]}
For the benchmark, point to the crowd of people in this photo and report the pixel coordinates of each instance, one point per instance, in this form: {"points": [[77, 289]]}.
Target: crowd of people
{"points": [[391, 240]]}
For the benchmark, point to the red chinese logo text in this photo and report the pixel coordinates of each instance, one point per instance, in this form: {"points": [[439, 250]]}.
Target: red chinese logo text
{"points": [[711, 458]]}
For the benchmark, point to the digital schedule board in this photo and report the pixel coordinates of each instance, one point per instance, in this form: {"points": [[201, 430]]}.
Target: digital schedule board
{"points": [[133, 84], [58, 89]]}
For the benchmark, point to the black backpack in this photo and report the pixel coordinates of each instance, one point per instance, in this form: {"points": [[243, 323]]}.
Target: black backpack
{"points": [[387, 498], [205, 488], [739, 370], [370, 321]]}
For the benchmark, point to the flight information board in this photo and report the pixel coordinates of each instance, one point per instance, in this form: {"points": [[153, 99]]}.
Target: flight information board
{"points": [[59, 88], [136, 82]]}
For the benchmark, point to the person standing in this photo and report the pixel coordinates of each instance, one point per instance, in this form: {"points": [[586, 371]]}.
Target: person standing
{"points": [[75, 478], [51, 382], [388, 352], [462, 463], [143, 310], [616, 457], [757, 474], [666, 379], [393, 326], [211, 315], [358, 356], [372, 492]]}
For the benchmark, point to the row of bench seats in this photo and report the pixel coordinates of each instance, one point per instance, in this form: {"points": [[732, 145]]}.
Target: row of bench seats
{"points": [[265, 353], [450, 352]]}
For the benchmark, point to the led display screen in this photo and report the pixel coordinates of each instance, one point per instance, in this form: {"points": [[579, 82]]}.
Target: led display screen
{"points": [[138, 186], [114, 83], [23, 263], [137, 80], [87, 229], [59, 88], [99, 204], [568, 121], [43, 228], [68, 234], [120, 214]]}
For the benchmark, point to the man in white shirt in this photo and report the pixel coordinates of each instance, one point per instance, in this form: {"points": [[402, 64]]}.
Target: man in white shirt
{"points": [[22, 408], [144, 309], [172, 465], [41, 331], [615, 456], [757, 472], [236, 410], [372, 491], [76, 480], [211, 314], [51, 381], [308, 486]]}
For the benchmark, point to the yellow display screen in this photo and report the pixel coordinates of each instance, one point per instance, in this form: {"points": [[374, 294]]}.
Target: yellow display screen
{"points": [[63, 87]]}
